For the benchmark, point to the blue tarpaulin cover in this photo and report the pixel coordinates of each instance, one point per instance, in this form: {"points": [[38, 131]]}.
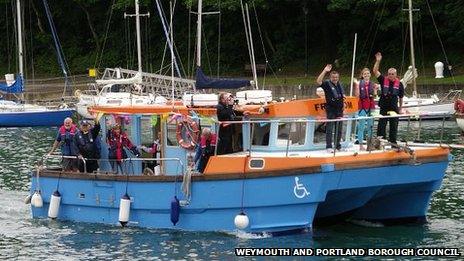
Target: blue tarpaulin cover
{"points": [[205, 82], [16, 87]]}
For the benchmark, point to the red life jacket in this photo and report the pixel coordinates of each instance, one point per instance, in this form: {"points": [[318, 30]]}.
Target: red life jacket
{"points": [[386, 87], [71, 130], [366, 95]]}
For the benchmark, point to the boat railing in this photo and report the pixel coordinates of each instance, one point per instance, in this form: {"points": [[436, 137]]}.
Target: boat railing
{"points": [[443, 115], [129, 161], [54, 156]]}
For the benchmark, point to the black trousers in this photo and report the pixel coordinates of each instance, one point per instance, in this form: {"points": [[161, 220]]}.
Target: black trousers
{"points": [[225, 144], [382, 127], [91, 165], [333, 127]]}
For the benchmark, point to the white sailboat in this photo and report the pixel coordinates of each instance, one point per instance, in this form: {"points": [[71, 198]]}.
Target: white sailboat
{"points": [[19, 114], [429, 108]]}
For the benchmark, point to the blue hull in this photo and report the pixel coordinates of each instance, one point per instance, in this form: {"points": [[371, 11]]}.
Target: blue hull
{"points": [[34, 118], [273, 204]]}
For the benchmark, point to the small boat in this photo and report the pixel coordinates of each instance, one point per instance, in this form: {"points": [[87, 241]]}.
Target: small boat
{"points": [[280, 178]]}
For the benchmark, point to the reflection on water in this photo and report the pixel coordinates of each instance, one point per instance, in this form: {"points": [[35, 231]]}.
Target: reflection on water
{"points": [[22, 237]]}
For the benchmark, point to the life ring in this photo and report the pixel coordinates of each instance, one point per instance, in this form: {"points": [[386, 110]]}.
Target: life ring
{"points": [[189, 129]]}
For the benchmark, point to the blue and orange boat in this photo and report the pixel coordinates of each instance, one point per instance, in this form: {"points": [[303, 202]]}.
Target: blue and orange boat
{"points": [[280, 177]]}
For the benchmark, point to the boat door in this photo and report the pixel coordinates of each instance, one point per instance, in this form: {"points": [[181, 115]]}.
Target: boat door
{"points": [[172, 150]]}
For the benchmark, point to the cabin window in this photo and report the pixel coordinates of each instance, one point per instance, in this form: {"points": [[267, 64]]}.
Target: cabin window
{"points": [[261, 133], [171, 135], [150, 129], [293, 133], [256, 164]]}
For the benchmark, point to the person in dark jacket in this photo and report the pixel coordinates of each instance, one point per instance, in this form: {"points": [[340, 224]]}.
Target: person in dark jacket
{"points": [[65, 139], [334, 97], [227, 111], [207, 146], [117, 142], [88, 143], [391, 99]]}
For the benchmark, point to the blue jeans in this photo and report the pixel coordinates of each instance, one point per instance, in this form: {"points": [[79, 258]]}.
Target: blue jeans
{"points": [[362, 125]]}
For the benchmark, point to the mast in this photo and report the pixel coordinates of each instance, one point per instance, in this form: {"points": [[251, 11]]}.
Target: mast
{"points": [[137, 28], [200, 6], [411, 41], [20, 42]]}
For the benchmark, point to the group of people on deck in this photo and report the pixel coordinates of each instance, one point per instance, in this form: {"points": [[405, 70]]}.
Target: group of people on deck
{"points": [[390, 102], [80, 147]]}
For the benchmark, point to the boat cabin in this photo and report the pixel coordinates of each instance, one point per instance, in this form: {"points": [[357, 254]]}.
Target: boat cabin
{"points": [[284, 128]]}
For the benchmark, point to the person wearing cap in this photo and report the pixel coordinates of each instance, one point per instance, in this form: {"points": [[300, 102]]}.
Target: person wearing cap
{"points": [[88, 143], [65, 139], [117, 142]]}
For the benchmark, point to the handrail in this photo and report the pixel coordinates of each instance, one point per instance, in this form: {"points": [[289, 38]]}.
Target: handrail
{"points": [[302, 120], [84, 160], [123, 160]]}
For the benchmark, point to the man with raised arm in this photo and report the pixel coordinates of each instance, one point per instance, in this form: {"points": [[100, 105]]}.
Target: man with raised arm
{"points": [[334, 99], [391, 99]]}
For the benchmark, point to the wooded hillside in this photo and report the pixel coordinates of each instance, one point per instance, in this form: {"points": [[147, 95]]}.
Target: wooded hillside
{"points": [[296, 36]]}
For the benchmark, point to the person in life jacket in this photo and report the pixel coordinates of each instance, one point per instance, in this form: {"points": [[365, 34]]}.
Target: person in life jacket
{"points": [[88, 143], [334, 98], [154, 149], [117, 143], [65, 138], [207, 147], [391, 99], [365, 90]]}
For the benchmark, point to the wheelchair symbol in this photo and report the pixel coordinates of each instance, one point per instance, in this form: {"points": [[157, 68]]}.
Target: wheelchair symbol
{"points": [[299, 190]]}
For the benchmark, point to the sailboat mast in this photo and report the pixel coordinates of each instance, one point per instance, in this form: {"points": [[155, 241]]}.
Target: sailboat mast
{"points": [[411, 41], [20, 38], [200, 7], [137, 28]]}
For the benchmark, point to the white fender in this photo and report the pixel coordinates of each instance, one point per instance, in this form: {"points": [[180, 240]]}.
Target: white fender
{"points": [[241, 221], [124, 210], [54, 206], [36, 200], [27, 200]]}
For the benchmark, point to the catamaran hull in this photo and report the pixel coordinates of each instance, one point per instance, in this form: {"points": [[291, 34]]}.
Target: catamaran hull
{"points": [[273, 204], [34, 118]]}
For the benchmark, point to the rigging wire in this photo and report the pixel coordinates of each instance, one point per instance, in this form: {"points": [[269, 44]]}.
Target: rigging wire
{"points": [[207, 53], [8, 49], [31, 45], [108, 23], [262, 44], [441, 42], [376, 31], [219, 38], [189, 39]]}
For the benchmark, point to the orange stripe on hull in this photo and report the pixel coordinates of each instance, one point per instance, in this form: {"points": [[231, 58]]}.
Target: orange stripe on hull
{"points": [[239, 164]]}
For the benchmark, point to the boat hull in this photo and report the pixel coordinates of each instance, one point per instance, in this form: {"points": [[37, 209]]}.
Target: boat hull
{"points": [[460, 121], [34, 118], [273, 204]]}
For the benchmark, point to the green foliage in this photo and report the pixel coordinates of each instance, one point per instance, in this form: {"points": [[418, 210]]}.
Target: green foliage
{"points": [[331, 24]]}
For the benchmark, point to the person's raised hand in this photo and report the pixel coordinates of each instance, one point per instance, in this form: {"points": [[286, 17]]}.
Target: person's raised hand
{"points": [[328, 68], [378, 56]]}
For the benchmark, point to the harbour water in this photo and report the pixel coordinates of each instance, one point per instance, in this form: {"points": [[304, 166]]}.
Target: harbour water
{"points": [[24, 238]]}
